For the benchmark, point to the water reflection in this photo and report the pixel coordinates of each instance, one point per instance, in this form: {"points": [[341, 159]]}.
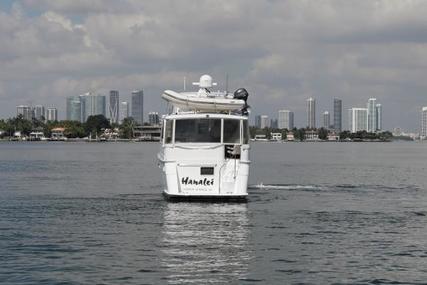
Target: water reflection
{"points": [[205, 243]]}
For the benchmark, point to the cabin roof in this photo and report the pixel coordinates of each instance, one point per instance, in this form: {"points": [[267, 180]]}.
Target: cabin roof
{"points": [[204, 115]]}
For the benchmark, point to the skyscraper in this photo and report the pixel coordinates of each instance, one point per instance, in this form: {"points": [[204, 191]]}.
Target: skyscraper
{"points": [[92, 105], [74, 108], [337, 115], [311, 113], [124, 111], [38, 112], [25, 111], [258, 121], [378, 113], [138, 106], [265, 122], [372, 115], [273, 123], [153, 118], [326, 120], [424, 123], [358, 119], [51, 114], [114, 106], [286, 120]]}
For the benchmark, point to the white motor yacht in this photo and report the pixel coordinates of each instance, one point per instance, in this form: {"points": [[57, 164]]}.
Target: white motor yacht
{"points": [[205, 144]]}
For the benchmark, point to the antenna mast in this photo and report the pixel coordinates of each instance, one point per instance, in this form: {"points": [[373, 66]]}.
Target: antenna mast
{"points": [[226, 83]]}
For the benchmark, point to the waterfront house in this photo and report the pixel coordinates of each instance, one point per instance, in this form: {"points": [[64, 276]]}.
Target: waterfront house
{"points": [[290, 137], [57, 134], [276, 136], [311, 135]]}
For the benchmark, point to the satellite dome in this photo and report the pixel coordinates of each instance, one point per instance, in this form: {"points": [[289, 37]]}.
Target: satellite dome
{"points": [[205, 81]]}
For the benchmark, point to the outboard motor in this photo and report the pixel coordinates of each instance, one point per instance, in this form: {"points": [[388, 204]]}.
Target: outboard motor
{"points": [[242, 94]]}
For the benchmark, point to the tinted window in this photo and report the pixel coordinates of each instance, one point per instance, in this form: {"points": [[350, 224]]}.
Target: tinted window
{"points": [[232, 131], [168, 131], [198, 130]]}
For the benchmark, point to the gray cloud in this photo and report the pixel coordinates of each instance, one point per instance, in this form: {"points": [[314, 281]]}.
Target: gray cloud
{"points": [[282, 51]]}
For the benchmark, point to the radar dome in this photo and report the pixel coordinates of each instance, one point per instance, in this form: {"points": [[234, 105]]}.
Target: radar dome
{"points": [[205, 81]]}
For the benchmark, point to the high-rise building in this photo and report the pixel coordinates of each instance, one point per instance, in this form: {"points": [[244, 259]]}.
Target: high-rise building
{"points": [[337, 115], [124, 111], [138, 106], [51, 114], [92, 105], [286, 120], [326, 120], [358, 119], [372, 115], [424, 123], [74, 109], [273, 123], [258, 121], [153, 118], [378, 113], [25, 111], [114, 106], [265, 122], [39, 113], [311, 113]]}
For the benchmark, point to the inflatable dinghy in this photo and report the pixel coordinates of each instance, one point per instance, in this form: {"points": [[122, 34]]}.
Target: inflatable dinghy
{"points": [[193, 101]]}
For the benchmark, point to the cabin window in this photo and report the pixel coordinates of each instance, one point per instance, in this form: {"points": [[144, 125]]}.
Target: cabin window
{"points": [[245, 132], [198, 130], [168, 131], [232, 131]]}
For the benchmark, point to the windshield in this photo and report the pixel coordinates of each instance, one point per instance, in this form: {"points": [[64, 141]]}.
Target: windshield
{"points": [[198, 130], [232, 131]]}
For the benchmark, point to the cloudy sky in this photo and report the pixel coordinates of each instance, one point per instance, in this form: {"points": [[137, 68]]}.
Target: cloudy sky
{"points": [[282, 51]]}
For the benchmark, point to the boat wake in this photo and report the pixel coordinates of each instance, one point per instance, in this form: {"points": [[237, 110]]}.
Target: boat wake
{"points": [[286, 187]]}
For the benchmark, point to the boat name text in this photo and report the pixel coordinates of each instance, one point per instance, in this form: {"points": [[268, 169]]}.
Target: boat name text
{"points": [[204, 182]]}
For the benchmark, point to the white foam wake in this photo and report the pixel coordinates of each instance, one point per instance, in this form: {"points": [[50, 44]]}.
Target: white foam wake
{"points": [[285, 187]]}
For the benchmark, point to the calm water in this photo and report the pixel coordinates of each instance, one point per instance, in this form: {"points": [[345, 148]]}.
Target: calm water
{"points": [[318, 213]]}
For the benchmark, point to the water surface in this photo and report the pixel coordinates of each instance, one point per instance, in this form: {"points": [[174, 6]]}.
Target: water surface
{"points": [[318, 213]]}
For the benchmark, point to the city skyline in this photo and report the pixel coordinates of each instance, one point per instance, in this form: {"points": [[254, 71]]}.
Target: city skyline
{"points": [[324, 51]]}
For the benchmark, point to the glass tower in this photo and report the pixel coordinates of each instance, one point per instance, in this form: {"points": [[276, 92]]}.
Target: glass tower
{"points": [[326, 120], [311, 113], [74, 108], [372, 115], [286, 120], [358, 119], [424, 123], [138, 106], [337, 115], [114, 106]]}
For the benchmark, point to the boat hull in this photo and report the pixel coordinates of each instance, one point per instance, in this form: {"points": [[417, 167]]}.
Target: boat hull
{"points": [[205, 198], [184, 177]]}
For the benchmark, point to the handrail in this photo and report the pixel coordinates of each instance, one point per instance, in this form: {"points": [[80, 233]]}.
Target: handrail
{"points": [[198, 147]]}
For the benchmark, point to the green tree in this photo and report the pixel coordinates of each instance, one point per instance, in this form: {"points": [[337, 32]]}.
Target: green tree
{"points": [[345, 135], [299, 134], [19, 124], [73, 129], [126, 128], [95, 124], [323, 134]]}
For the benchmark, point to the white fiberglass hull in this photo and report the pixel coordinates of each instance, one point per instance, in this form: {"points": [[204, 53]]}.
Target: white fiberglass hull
{"points": [[203, 173]]}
